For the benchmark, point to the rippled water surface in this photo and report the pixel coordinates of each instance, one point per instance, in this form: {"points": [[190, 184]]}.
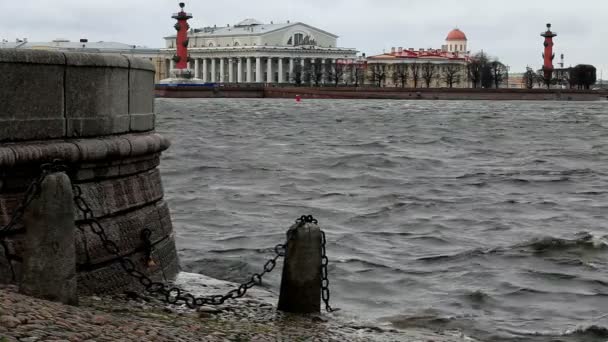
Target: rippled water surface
{"points": [[486, 217]]}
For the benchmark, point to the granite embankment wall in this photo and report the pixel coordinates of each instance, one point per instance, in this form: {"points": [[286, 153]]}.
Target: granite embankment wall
{"points": [[224, 91], [95, 113], [328, 92], [434, 94]]}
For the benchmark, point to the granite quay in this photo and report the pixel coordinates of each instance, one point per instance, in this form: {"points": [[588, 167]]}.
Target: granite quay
{"points": [[94, 113]]}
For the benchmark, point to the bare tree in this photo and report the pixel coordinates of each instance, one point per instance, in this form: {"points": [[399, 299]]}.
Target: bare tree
{"points": [[584, 76], [451, 75], [477, 70], [307, 74], [474, 73], [499, 72], [336, 71], [415, 73], [540, 78], [428, 73], [548, 78], [401, 74], [529, 78], [317, 72], [356, 73], [378, 74], [297, 76]]}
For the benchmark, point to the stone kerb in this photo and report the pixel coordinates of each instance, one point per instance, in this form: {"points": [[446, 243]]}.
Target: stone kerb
{"points": [[141, 104], [48, 95]]}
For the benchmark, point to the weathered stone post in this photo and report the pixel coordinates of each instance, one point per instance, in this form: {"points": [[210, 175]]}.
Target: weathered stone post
{"points": [[301, 280], [49, 258]]}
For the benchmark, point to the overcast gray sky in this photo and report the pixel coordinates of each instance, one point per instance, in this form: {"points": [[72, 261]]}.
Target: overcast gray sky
{"points": [[508, 30]]}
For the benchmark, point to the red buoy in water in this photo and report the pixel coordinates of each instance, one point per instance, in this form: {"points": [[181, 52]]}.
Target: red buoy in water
{"points": [[298, 98]]}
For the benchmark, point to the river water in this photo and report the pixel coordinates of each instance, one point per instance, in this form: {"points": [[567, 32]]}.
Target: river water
{"points": [[485, 217]]}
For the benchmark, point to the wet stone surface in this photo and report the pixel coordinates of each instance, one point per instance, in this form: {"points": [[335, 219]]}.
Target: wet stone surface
{"points": [[130, 317]]}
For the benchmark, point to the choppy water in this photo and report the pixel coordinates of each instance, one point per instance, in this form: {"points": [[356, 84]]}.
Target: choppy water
{"points": [[487, 217]]}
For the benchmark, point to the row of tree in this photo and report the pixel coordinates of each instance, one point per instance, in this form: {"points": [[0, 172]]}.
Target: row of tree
{"points": [[582, 76], [480, 71], [334, 72], [377, 74], [484, 72], [418, 73]]}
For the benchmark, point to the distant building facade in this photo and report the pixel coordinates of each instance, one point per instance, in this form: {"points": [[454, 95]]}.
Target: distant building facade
{"points": [[433, 68], [255, 52]]}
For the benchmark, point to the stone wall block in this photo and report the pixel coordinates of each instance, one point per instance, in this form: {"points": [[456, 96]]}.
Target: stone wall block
{"points": [[113, 279], [142, 165], [97, 126], [5, 269], [118, 167], [8, 204], [95, 149], [33, 128], [84, 151], [7, 157], [142, 122], [125, 231], [165, 216], [97, 95], [141, 94], [141, 91], [145, 144], [111, 196], [43, 152], [31, 95], [137, 63], [117, 148]]}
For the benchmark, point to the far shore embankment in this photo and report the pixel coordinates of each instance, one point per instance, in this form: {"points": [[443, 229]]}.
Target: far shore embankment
{"points": [[330, 92]]}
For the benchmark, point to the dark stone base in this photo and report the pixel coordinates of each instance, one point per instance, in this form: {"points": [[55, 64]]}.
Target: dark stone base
{"points": [[121, 184]]}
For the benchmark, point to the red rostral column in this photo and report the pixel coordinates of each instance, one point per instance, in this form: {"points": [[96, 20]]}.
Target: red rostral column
{"points": [[548, 55], [182, 27]]}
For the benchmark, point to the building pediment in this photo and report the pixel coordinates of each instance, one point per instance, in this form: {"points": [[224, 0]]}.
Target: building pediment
{"points": [[252, 27]]}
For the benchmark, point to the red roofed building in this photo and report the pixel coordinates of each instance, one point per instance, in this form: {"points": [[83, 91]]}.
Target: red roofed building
{"points": [[433, 68]]}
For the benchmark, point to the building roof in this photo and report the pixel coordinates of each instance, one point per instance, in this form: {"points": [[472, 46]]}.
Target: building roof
{"points": [[249, 22], [432, 54], [456, 34], [247, 27], [64, 44]]}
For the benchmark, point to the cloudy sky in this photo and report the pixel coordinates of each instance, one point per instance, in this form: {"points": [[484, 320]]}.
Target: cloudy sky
{"points": [[508, 30]]}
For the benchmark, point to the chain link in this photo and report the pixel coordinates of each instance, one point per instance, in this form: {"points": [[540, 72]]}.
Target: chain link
{"points": [[324, 276], [171, 294]]}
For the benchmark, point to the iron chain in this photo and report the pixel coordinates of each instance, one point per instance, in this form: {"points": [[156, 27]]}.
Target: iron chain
{"points": [[171, 294], [324, 277]]}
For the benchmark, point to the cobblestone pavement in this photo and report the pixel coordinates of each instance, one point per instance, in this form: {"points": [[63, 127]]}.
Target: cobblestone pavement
{"points": [[132, 317]]}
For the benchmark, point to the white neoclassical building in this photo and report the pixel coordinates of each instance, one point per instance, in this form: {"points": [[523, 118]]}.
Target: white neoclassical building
{"points": [[445, 67], [254, 52]]}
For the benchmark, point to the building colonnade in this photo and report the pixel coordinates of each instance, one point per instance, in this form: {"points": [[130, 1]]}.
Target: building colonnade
{"points": [[252, 69]]}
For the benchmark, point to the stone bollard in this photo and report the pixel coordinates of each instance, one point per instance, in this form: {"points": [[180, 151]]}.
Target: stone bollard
{"points": [[49, 261], [301, 280]]}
